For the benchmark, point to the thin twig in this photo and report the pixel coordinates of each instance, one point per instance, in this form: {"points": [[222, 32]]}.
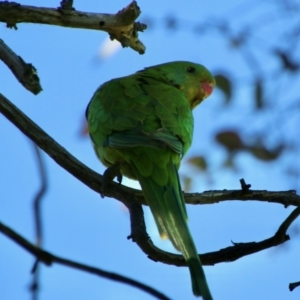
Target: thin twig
{"points": [[120, 26], [34, 286], [288, 221], [49, 259], [24, 72], [39, 195], [37, 216], [132, 198], [228, 254], [285, 198]]}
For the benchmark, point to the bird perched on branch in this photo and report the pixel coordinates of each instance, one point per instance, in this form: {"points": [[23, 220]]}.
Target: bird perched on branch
{"points": [[141, 126]]}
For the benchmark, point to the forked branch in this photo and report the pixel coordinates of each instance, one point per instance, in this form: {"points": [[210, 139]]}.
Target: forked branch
{"points": [[120, 26], [132, 198]]}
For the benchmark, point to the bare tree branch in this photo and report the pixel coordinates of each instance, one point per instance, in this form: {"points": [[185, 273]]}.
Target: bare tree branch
{"points": [[120, 26], [49, 259], [285, 198], [293, 285], [228, 254], [131, 198], [24, 72], [114, 190], [66, 4], [37, 216], [39, 195]]}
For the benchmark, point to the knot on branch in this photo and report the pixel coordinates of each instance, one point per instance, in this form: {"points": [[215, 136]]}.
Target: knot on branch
{"points": [[25, 72], [66, 5], [31, 78], [129, 13], [127, 33], [8, 7], [139, 26], [280, 238], [120, 26], [245, 187]]}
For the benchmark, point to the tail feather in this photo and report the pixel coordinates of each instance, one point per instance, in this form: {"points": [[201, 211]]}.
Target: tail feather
{"points": [[168, 208]]}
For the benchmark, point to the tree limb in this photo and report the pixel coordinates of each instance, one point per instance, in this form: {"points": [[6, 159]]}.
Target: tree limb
{"points": [[293, 285], [24, 72], [120, 26], [133, 199], [228, 254], [94, 180], [285, 198], [49, 259]]}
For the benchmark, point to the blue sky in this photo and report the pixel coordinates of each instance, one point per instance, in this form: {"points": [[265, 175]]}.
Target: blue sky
{"points": [[78, 224]]}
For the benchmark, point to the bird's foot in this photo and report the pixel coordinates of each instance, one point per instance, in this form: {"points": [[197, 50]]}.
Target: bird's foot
{"points": [[109, 175]]}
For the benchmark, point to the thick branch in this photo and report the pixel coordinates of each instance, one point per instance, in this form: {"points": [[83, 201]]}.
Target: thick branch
{"points": [[94, 180], [120, 26], [130, 196], [24, 72], [49, 259]]}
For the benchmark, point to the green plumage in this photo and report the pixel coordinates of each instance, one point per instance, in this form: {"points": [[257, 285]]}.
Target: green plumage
{"points": [[144, 123]]}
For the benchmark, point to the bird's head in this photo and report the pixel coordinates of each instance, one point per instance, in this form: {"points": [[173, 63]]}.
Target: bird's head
{"points": [[194, 80]]}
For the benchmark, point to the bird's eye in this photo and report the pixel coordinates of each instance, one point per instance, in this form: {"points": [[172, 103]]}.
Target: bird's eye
{"points": [[191, 69]]}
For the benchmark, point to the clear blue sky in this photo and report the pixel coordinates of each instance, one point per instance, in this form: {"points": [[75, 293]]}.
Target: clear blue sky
{"points": [[78, 224]]}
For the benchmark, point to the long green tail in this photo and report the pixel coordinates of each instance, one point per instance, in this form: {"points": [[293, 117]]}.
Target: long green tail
{"points": [[168, 208]]}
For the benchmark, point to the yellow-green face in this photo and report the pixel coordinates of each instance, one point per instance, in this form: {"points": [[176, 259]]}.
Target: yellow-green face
{"points": [[194, 80]]}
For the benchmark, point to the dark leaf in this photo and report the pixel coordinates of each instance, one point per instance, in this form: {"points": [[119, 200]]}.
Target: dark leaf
{"points": [[258, 97], [199, 162], [230, 140], [224, 84], [286, 60], [187, 183], [265, 154]]}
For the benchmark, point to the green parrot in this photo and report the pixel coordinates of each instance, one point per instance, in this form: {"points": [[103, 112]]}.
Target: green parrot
{"points": [[142, 125]]}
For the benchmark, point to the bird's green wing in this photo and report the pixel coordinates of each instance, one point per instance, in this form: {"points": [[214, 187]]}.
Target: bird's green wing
{"points": [[143, 107]]}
